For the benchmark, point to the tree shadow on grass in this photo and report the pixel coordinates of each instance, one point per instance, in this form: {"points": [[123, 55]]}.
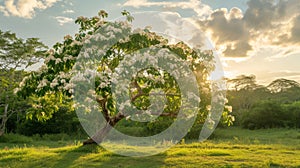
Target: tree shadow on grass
{"points": [[69, 157], [118, 161], [96, 156]]}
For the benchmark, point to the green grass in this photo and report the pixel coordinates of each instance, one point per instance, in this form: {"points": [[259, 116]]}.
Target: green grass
{"points": [[232, 147]]}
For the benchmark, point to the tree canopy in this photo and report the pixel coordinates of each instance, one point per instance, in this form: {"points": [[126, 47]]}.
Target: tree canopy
{"points": [[15, 55], [67, 69]]}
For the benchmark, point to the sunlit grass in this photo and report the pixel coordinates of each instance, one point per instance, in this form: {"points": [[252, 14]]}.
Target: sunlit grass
{"points": [[229, 148]]}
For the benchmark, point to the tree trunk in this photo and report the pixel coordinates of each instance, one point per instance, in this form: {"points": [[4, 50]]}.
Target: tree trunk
{"points": [[4, 120], [99, 136], [102, 133]]}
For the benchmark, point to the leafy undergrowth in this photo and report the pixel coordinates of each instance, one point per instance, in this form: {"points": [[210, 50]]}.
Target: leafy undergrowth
{"points": [[229, 148]]}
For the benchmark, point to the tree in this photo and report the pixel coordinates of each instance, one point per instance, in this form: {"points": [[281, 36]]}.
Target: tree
{"points": [[242, 82], [64, 70], [255, 106], [284, 90], [243, 92], [15, 55], [281, 85]]}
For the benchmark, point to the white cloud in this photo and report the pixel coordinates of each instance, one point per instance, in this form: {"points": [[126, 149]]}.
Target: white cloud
{"points": [[238, 34], [278, 53], [229, 32], [196, 5], [63, 20], [267, 77], [173, 25], [264, 23], [68, 11], [25, 8], [137, 3], [2, 9], [263, 38]]}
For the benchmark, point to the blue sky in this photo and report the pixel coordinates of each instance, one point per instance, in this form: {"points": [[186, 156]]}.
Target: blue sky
{"points": [[44, 23], [257, 37]]}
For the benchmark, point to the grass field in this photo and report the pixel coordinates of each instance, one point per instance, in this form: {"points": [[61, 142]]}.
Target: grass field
{"points": [[231, 147]]}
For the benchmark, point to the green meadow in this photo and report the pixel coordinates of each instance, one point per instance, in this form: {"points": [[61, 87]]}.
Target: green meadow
{"points": [[230, 147]]}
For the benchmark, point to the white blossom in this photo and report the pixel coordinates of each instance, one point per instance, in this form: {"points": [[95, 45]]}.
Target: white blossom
{"points": [[111, 35], [68, 37], [86, 54], [137, 31], [58, 60], [51, 51], [62, 75], [111, 28], [66, 58], [43, 68], [78, 77], [232, 118], [88, 100], [100, 37], [210, 123], [75, 42], [16, 90], [54, 83], [103, 85], [47, 59], [193, 96], [43, 83], [229, 108], [71, 91], [23, 83], [208, 107]]}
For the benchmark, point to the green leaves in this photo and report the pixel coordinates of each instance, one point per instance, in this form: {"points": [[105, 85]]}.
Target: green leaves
{"points": [[103, 14], [15, 53], [129, 18], [44, 107]]}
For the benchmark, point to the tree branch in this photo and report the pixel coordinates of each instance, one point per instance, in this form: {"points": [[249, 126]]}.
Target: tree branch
{"points": [[134, 84], [102, 102]]}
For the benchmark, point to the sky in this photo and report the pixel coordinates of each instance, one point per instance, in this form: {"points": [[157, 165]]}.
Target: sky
{"points": [[259, 37]]}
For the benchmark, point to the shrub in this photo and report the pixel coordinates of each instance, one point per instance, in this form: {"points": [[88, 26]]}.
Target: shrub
{"points": [[63, 121], [271, 114]]}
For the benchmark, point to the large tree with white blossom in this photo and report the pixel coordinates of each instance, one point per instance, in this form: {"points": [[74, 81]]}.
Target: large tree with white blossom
{"points": [[57, 78]]}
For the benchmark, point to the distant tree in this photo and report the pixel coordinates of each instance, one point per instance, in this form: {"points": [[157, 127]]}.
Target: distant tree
{"points": [[281, 85], [15, 55], [243, 92], [284, 90], [242, 82], [257, 106]]}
